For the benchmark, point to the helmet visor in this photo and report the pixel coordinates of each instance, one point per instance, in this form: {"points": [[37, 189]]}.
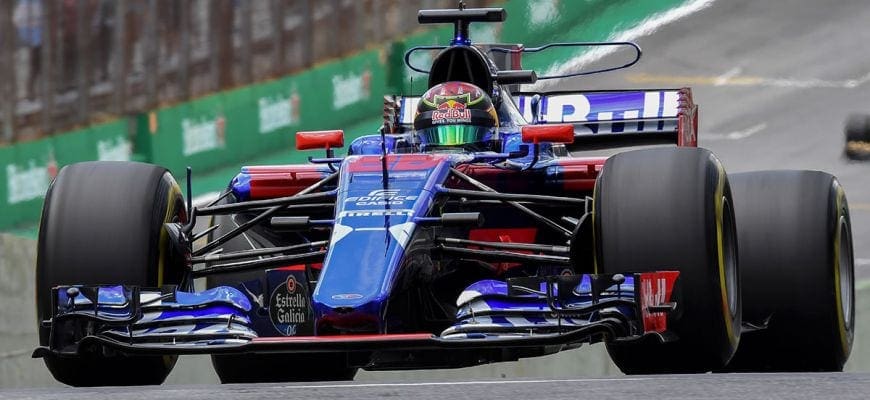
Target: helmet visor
{"points": [[455, 135]]}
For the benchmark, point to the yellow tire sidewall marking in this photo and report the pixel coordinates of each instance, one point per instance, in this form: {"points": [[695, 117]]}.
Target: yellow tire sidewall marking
{"points": [[720, 205]]}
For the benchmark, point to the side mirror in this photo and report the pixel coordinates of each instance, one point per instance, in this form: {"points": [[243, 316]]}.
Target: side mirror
{"points": [[556, 133], [319, 140]]}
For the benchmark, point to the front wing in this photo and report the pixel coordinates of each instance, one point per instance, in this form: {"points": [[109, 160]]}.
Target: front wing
{"points": [[536, 312]]}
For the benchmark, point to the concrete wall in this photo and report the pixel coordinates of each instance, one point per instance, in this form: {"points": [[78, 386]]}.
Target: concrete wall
{"points": [[18, 338]]}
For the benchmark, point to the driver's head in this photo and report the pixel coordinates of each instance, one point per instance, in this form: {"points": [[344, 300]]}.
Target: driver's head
{"points": [[456, 115]]}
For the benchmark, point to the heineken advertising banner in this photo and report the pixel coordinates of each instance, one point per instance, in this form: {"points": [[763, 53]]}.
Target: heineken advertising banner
{"points": [[234, 126], [27, 168]]}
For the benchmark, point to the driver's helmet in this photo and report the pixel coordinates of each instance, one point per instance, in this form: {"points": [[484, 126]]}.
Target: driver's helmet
{"points": [[456, 115]]}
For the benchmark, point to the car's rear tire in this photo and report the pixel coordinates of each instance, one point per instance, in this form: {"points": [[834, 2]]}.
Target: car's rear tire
{"points": [[254, 368], [671, 209], [102, 223], [797, 271]]}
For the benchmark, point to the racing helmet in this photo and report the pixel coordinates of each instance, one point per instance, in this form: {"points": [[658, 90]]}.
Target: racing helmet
{"points": [[456, 115]]}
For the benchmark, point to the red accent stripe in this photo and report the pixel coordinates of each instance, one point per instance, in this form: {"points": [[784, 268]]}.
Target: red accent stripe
{"points": [[272, 181], [299, 267], [396, 162], [504, 235]]}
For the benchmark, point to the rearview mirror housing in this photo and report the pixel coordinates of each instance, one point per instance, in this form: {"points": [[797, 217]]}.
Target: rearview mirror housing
{"points": [[555, 133], [311, 140]]}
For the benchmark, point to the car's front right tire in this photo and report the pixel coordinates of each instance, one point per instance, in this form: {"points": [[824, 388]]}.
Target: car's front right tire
{"points": [[671, 209]]}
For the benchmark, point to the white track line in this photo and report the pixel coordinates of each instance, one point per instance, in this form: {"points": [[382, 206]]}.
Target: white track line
{"points": [[737, 135], [735, 79], [16, 353], [724, 78], [204, 199], [645, 28]]}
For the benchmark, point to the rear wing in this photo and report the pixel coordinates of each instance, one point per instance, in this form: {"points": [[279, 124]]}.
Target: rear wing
{"points": [[601, 119]]}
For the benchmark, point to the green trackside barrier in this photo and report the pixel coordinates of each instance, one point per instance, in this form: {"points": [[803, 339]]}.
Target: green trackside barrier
{"points": [[402, 80], [26, 169], [532, 23], [233, 126], [277, 109], [550, 21], [191, 133], [345, 91]]}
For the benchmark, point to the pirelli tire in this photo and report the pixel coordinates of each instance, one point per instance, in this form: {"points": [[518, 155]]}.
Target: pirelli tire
{"points": [[259, 368], [797, 271], [858, 137], [102, 223], [671, 209]]}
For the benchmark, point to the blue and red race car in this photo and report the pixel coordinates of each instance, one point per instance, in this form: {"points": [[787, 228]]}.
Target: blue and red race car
{"points": [[466, 231]]}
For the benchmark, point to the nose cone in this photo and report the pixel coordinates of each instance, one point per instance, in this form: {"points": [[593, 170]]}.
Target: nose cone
{"points": [[358, 274], [367, 317], [374, 222]]}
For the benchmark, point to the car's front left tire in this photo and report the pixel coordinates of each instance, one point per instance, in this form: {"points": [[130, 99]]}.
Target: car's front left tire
{"points": [[102, 224]]}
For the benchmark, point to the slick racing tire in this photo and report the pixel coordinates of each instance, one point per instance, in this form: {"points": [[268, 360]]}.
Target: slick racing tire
{"points": [[671, 209], [102, 223], [256, 368], [797, 271], [858, 137]]}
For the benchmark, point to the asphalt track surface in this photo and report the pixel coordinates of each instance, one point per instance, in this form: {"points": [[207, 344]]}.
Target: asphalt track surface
{"points": [[775, 81], [709, 387]]}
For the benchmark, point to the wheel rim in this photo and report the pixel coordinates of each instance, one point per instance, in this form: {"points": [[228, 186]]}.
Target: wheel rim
{"points": [[730, 255], [845, 272]]}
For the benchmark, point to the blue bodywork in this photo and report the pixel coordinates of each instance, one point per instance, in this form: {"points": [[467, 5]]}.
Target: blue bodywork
{"points": [[217, 316], [374, 221]]}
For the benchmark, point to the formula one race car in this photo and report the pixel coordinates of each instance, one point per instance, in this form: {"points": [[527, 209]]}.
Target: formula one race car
{"points": [[463, 233]]}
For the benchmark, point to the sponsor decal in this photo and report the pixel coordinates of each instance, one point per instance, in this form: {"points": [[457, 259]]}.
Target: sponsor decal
{"points": [[29, 182], [114, 149], [202, 134], [289, 307], [451, 112], [381, 197], [278, 112], [656, 289], [350, 89], [377, 213], [606, 112], [347, 296]]}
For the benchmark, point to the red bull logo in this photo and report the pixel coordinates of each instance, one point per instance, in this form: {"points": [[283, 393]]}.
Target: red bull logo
{"points": [[451, 112]]}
